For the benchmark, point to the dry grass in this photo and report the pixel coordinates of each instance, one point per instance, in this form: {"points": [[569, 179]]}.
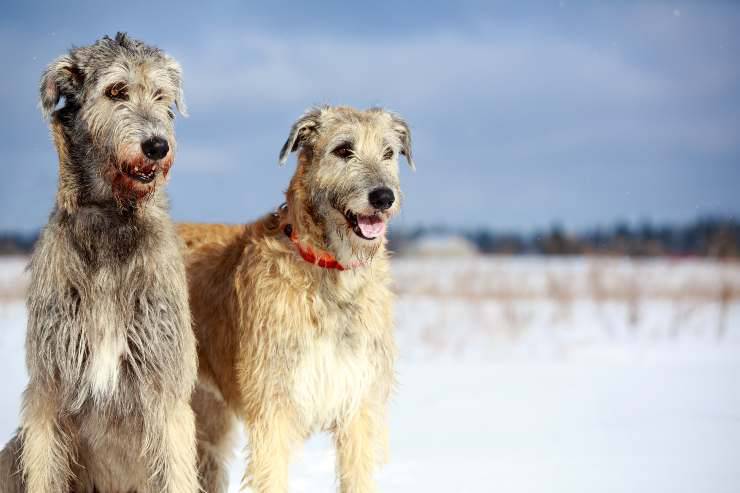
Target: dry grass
{"points": [[602, 280], [506, 297], [13, 278]]}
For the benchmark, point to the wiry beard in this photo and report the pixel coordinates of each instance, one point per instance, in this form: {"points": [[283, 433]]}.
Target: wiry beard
{"points": [[128, 179]]}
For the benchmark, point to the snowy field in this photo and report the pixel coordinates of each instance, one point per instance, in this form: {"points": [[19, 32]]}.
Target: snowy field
{"points": [[534, 375]]}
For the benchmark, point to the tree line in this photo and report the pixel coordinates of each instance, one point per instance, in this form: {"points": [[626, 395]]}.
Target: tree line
{"points": [[705, 237]]}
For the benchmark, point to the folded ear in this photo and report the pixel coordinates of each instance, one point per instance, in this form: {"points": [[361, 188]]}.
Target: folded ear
{"points": [[300, 133], [404, 134], [63, 78], [175, 73], [180, 102]]}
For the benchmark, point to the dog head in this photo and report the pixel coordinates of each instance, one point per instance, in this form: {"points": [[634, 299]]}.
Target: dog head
{"points": [[346, 187], [111, 106]]}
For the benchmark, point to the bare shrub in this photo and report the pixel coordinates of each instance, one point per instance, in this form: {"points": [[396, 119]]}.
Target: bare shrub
{"points": [[560, 289]]}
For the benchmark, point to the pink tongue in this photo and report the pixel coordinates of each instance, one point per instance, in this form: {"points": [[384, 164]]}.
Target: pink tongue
{"points": [[371, 226]]}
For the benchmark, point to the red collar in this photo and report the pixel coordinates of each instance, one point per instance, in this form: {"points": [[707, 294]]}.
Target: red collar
{"points": [[322, 259]]}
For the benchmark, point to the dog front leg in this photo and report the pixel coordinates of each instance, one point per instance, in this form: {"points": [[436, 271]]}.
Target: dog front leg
{"points": [[170, 447], [271, 440], [47, 447], [359, 442], [215, 425]]}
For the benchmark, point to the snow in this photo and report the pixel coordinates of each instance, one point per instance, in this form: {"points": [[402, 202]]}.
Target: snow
{"points": [[535, 375]]}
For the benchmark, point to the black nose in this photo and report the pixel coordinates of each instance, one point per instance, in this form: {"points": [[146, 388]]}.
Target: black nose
{"points": [[155, 148], [382, 198]]}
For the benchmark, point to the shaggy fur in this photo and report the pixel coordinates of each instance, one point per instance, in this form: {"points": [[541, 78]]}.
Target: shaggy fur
{"points": [[110, 350], [289, 347]]}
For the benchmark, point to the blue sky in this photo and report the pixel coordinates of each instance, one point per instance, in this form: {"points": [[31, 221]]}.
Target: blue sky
{"points": [[580, 113]]}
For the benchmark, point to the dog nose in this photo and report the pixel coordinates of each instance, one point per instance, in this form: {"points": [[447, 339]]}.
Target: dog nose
{"points": [[155, 148], [382, 198]]}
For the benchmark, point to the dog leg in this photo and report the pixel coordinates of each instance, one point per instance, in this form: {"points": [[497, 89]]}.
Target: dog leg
{"points": [[180, 452], [11, 473], [170, 444], [47, 449], [358, 443], [215, 425], [271, 440]]}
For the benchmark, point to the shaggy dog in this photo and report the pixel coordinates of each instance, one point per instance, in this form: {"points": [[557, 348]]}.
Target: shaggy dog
{"points": [[293, 312], [110, 349]]}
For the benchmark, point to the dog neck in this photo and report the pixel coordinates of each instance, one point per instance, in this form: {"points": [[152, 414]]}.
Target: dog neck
{"points": [[290, 226], [320, 258]]}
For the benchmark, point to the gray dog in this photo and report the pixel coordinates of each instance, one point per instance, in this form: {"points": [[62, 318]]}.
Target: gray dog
{"points": [[110, 349]]}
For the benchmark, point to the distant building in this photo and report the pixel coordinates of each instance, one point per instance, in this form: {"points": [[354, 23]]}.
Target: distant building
{"points": [[440, 246]]}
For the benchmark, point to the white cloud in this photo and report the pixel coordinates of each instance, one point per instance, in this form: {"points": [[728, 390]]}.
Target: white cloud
{"points": [[258, 69]]}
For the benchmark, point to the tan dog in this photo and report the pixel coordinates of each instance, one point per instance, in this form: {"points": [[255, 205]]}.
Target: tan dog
{"points": [[293, 313]]}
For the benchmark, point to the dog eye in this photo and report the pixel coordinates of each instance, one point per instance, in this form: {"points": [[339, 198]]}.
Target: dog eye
{"points": [[388, 154], [117, 92], [158, 95], [343, 151]]}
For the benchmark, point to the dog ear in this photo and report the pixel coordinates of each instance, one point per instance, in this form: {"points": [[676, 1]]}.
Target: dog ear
{"points": [[63, 78], [300, 133], [180, 102], [404, 134], [175, 74]]}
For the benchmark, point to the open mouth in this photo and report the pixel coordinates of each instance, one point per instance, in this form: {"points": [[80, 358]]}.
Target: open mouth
{"points": [[143, 174], [367, 227]]}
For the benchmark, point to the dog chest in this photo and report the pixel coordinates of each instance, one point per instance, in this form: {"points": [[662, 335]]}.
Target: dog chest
{"points": [[106, 354], [133, 339], [330, 380]]}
